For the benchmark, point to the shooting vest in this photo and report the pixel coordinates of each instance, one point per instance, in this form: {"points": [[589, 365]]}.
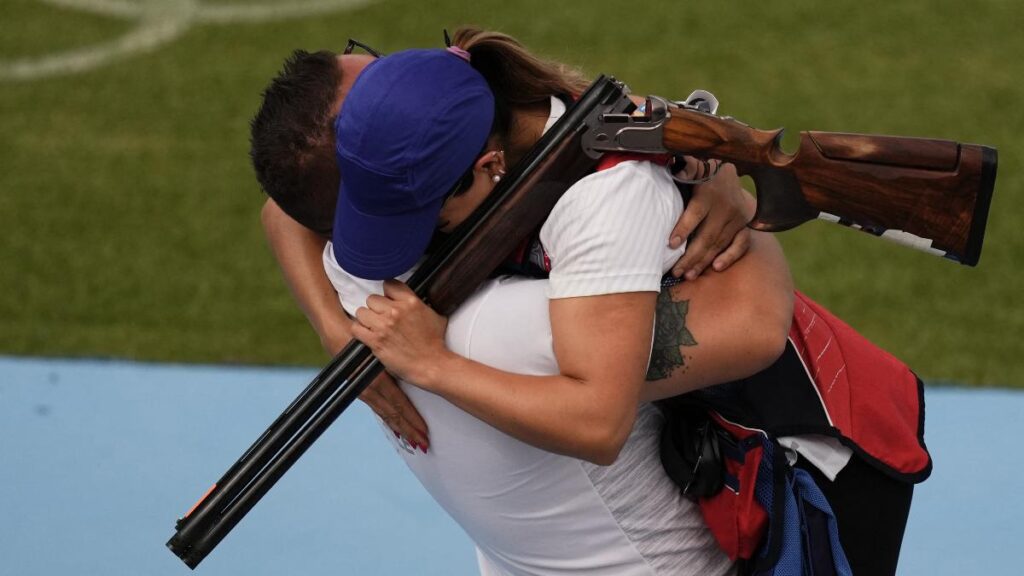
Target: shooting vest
{"points": [[829, 381], [832, 381]]}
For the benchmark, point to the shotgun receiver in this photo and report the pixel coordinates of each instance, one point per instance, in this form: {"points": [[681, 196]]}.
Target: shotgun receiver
{"points": [[790, 191]]}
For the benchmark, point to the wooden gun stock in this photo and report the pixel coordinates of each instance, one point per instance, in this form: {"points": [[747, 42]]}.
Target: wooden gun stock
{"points": [[931, 194]]}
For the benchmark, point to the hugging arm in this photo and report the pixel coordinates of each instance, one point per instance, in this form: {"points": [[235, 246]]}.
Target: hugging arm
{"points": [[586, 411], [297, 250], [722, 326]]}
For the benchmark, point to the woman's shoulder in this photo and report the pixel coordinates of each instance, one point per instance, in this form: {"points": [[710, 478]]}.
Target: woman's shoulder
{"points": [[608, 233], [630, 189], [624, 176]]}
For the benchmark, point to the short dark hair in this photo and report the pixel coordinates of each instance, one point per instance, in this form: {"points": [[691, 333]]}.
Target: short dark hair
{"points": [[292, 139]]}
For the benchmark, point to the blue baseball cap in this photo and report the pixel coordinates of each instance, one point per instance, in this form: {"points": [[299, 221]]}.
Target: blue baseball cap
{"points": [[411, 125]]}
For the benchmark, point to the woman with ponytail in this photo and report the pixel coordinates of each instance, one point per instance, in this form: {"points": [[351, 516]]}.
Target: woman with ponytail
{"points": [[543, 443]]}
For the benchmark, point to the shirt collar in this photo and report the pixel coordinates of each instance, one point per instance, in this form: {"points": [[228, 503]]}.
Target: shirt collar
{"points": [[557, 109]]}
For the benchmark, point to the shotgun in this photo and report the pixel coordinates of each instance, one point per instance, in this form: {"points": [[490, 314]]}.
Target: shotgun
{"points": [[603, 120]]}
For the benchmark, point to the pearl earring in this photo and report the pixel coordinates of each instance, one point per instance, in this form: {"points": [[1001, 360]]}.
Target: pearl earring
{"points": [[496, 178]]}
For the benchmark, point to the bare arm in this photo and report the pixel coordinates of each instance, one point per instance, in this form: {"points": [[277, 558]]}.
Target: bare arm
{"points": [[724, 325], [587, 411], [298, 252]]}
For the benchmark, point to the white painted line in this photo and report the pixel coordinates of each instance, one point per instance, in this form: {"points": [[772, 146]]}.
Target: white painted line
{"points": [[158, 22], [146, 37], [260, 12], [116, 8]]}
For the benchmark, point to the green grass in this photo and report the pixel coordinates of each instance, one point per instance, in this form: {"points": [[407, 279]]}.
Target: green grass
{"points": [[31, 28], [129, 213]]}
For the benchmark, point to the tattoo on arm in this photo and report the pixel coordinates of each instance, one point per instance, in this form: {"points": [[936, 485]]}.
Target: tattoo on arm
{"points": [[670, 335]]}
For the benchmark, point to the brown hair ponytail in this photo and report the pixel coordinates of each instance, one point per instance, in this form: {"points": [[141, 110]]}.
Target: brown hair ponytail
{"points": [[517, 78]]}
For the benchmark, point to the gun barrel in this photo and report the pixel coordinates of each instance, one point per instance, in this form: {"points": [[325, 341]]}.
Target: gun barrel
{"points": [[236, 484], [352, 381]]}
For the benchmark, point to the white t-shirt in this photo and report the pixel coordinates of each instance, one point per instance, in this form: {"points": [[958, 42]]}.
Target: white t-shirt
{"points": [[534, 512]]}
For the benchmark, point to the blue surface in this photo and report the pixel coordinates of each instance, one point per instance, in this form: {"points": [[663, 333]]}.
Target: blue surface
{"points": [[97, 460]]}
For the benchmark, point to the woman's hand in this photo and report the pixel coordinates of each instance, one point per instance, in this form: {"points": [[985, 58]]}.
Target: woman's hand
{"points": [[718, 212], [388, 401], [297, 250], [383, 395], [403, 332]]}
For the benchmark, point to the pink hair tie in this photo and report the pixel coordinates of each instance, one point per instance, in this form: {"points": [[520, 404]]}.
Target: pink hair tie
{"points": [[459, 52]]}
